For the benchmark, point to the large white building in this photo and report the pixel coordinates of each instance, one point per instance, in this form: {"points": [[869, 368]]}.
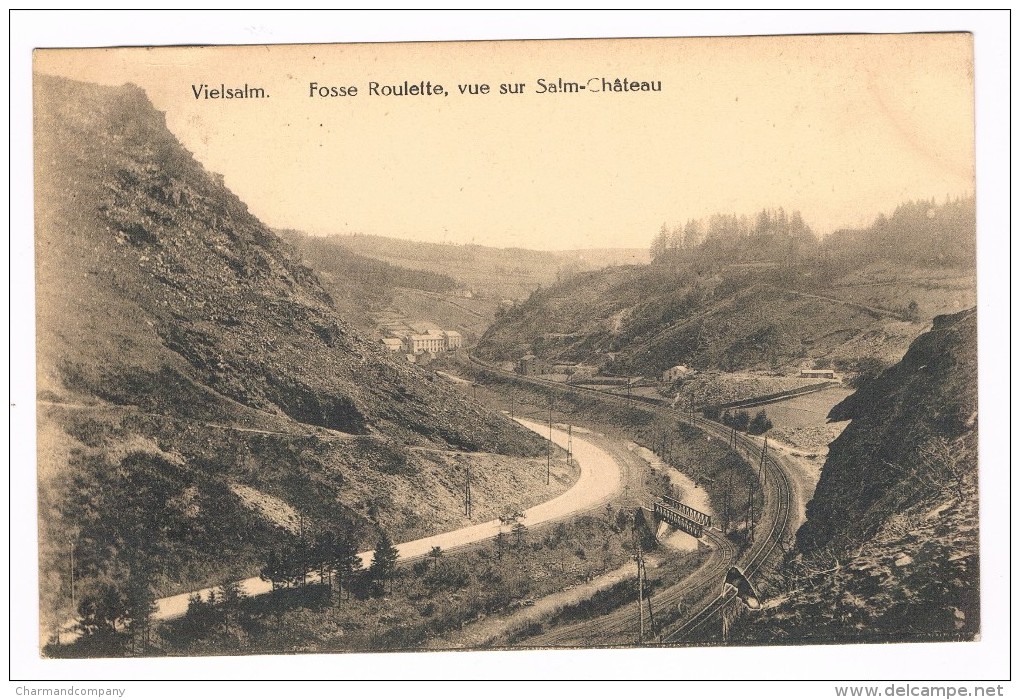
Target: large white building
{"points": [[422, 337], [425, 342], [454, 340]]}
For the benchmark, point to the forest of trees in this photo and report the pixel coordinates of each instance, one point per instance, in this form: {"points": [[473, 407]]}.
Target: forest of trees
{"points": [[741, 419], [324, 599], [918, 232], [329, 254], [770, 235]]}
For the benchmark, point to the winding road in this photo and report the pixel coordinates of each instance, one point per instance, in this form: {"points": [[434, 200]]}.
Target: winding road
{"points": [[782, 513], [600, 479], [699, 592]]}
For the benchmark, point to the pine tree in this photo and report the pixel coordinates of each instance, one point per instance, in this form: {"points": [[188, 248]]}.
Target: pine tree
{"points": [[141, 606], [660, 243], [760, 423], [324, 547], [346, 563], [693, 234], [519, 531], [273, 570], [384, 561], [231, 597], [101, 615], [436, 553]]}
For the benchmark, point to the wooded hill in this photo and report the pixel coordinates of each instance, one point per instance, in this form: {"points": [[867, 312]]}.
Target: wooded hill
{"points": [[730, 295], [187, 357], [360, 285], [495, 273], [458, 287]]}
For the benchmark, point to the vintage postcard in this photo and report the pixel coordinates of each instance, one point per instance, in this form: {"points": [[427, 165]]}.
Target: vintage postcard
{"points": [[506, 345]]}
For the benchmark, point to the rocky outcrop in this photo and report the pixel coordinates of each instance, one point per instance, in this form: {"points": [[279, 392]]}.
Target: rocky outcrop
{"points": [[889, 551], [156, 283], [908, 428]]}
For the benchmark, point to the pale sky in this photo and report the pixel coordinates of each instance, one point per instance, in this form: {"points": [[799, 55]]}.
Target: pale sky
{"points": [[838, 127]]}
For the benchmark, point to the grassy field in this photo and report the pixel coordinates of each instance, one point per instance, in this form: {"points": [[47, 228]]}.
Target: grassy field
{"points": [[887, 286]]}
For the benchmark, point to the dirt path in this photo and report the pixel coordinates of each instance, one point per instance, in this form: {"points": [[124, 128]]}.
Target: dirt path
{"points": [[134, 410], [846, 302]]}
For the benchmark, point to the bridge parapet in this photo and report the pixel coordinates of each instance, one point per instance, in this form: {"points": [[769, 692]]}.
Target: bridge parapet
{"points": [[666, 514], [697, 516]]}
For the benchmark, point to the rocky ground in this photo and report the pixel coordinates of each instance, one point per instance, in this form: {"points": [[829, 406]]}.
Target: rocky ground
{"points": [[890, 549], [724, 387], [182, 349]]}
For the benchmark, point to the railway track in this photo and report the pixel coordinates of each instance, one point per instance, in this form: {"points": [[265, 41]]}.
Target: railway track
{"points": [[773, 527], [621, 625], [778, 495]]}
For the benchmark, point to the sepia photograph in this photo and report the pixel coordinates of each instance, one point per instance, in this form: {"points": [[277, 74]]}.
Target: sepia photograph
{"points": [[517, 346]]}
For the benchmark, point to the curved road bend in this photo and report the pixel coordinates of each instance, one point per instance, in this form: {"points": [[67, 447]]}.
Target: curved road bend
{"points": [[700, 589], [601, 478], [783, 511]]}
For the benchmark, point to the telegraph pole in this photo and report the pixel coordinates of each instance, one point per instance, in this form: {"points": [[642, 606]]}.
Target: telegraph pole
{"points": [[301, 525], [643, 599], [640, 596], [726, 504], [74, 608], [648, 600], [750, 513], [548, 452], [762, 473], [467, 494], [511, 405]]}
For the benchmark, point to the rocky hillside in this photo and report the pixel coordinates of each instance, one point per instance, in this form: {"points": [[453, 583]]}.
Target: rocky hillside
{"points": [[183, 349], [889, 550], [737, 303], [156, 286]]}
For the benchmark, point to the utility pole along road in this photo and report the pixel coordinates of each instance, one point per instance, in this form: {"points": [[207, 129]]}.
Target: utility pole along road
{"points": [[601, 478]]}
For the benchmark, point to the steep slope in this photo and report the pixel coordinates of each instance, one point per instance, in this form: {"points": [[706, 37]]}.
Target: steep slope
{"points": [[183, 350], [889, 550], [372, 293], [157, 244], [714, 315], [358, 284], [924, 406]]}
